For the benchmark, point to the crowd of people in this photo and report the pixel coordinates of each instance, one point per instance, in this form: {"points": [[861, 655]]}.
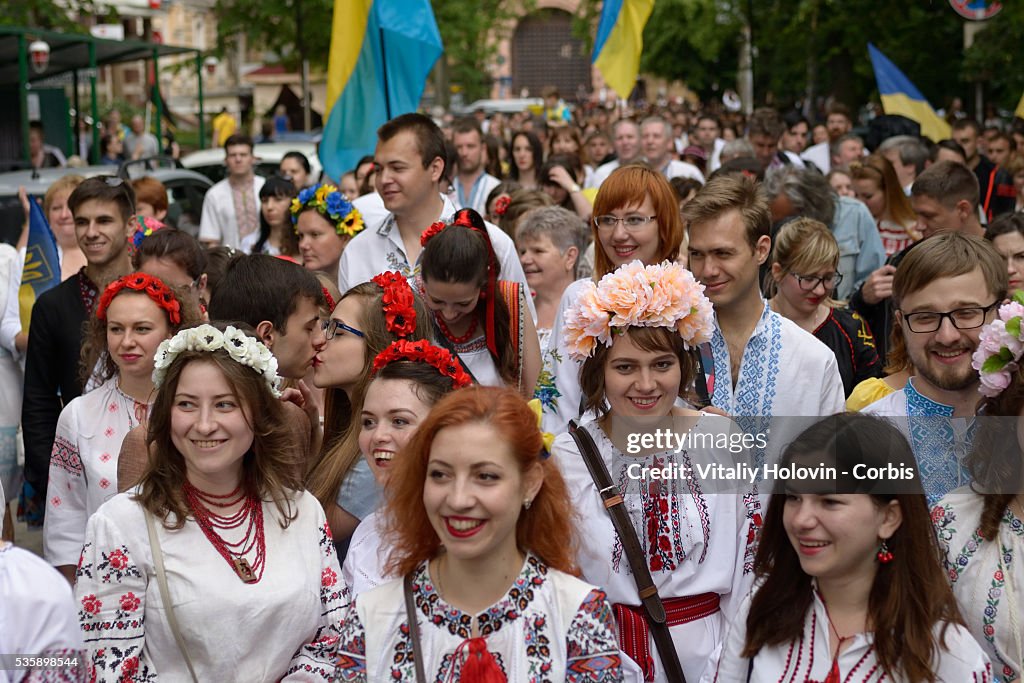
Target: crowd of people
{"points": [[387, 429]]}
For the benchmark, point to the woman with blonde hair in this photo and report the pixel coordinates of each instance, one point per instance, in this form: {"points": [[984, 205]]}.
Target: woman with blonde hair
{"points": [[877, 185], [800, 286]]}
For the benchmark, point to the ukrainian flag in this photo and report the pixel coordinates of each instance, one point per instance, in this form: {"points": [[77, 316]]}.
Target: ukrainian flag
{"points": [[381, 54], [899, 96], [42, 266], [620, 40]]}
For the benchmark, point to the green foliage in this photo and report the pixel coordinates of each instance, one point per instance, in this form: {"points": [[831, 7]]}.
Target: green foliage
{"points": [[470, 31], [46, 14], [271, 25], [992, 58]]}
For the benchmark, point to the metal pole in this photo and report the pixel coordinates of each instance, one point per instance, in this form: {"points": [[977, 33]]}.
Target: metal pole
{"points": [[202, 112], [76, 138], [94, 106], [158, 101], [23, 94]]}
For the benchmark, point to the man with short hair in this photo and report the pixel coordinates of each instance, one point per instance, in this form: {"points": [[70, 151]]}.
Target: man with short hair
{"points": [[410, 160], [140, 143], [472, 182], [626, 141], [838, 123], [231, 209], [846, 149], [996, 193], [1001, 147], [658, 146], [104, 212], [706, 135], [944, 291], [908, 156], [794, 137], [764, 129], [945, 199], [764, 364]]}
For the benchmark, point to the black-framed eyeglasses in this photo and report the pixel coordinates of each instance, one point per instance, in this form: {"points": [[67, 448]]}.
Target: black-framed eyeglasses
{"points": [[809, 283], [331, 327], [969, 318], [630, 223]]}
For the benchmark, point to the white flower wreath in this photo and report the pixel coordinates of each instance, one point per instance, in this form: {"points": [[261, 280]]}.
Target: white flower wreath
{"points": [[242, 349]]}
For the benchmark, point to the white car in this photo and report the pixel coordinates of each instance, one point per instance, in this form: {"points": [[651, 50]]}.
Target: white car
{"points": [[210, 162]]}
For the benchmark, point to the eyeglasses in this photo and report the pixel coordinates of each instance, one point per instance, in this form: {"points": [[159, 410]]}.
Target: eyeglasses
{"points": [[962, 318], [331, 327], [809, 283], [630, 223]]}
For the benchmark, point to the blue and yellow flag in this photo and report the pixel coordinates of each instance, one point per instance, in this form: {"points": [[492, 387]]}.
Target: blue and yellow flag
{"points": [[899, 96], [375, 45], [620, 41], [42, 265]]}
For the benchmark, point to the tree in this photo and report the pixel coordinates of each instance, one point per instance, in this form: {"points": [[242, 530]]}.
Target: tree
{"points": [[290, 29], [992, 58], [48, 14]]}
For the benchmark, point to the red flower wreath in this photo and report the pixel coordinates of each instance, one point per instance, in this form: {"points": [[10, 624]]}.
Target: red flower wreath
{"points": [[501, 204], [434, 228], [422, 350], [152, 287], [329, 298], [398, 300]]}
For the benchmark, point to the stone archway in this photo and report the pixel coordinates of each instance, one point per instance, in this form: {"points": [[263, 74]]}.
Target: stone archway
{"points": [[544, 52]]}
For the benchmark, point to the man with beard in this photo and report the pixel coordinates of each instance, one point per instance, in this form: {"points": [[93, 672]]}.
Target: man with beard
{"points": [[944, 291]]}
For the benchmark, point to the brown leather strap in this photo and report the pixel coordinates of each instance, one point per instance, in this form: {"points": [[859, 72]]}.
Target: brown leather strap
{"points": [[414, 629], [654, 610]]}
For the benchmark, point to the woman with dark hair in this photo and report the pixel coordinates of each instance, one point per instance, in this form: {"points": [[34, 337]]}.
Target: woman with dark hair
{"points": [[295, 167], [1006, 233], [178, 259], [366, 320], [636, 217], [277, 234], [527, 155], [560, 176], [635, 333], [409, 377], [218, 550], [134, 315], [481, 527], [111, 150], [479, 316], [849, 583], [981, 526]]}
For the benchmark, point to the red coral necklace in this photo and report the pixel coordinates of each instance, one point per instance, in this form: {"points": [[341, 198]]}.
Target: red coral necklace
{"points": [[448, 333], [203, 504]]}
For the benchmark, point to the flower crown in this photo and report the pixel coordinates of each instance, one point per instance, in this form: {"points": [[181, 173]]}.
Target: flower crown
{"points": [[1000, 347], [636, 295], [332, 205], [242, 349], [147, 226], [153, 287], [501, 204], [398, 300], [329, 298], [422, 350], [460, 218]]}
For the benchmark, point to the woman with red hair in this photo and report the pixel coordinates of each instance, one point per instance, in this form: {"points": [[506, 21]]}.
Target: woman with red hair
{"points": [[482, 530]]}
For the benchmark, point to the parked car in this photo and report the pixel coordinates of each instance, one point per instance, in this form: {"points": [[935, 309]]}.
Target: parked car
{"points": [[514, 106], [210, 162], [185, 191]]}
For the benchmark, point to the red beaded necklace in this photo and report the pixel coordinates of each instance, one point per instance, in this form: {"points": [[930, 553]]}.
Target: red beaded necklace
{"points": [[448, 333], [210, 522]]}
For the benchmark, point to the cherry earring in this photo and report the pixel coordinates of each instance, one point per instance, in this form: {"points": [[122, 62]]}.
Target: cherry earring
{"points": [[884, 555]]}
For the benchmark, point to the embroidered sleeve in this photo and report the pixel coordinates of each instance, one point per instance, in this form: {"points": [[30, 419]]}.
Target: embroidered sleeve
{"points": [[66, 503], [111, 594], [351, 660], [72, 670], [315, 661], [592, 648]]}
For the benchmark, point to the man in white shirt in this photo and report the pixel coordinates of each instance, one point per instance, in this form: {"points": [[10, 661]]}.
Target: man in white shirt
{"points": [[838, 123], [472, 183], [657, 145], [410, 166], [946, 288], [706, 135], [231, 209], [764, 365], [626, 141]]}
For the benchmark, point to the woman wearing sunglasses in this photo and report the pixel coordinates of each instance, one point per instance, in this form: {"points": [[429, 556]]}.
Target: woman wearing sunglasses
{"points": [[800, 285]]}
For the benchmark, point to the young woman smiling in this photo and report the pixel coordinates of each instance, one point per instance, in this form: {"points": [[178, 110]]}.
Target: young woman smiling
{"points": [[134, 315], [482, 530], [634, 333]]}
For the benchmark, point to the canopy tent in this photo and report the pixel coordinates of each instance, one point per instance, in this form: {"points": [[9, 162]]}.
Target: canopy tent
{"points": [[74, 52]]}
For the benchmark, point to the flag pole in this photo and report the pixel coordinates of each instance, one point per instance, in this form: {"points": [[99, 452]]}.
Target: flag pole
{"points": [[384, 72]]}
